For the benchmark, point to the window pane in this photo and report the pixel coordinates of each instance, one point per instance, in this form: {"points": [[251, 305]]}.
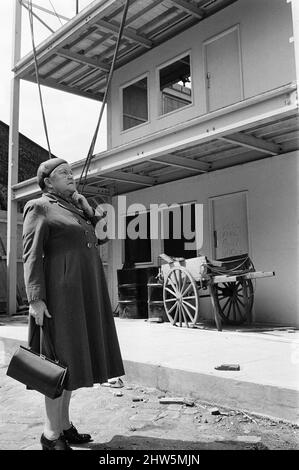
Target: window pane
{"points": [[139, 250], [135, 109], [175, 85]]}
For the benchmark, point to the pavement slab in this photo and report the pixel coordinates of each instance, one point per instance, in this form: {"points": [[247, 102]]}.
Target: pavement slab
{"points": [[163, 361], [114, 425]]}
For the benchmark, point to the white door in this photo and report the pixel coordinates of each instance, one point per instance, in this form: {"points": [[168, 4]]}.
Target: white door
{"points": [[223, 70], [229, 225]]}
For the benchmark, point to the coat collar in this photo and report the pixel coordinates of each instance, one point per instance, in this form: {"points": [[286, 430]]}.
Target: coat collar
{"points": [[54, 198]]}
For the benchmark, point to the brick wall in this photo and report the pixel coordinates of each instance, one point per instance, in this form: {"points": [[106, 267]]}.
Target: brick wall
{"points": [[30, 156], [3, 249]]}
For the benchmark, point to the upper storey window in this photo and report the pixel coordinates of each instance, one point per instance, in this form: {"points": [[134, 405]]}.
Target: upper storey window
{"points": [[175, 85], [135, 104]]}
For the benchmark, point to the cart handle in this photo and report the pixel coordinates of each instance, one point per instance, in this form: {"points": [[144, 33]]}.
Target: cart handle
{"points": [[170, 259]]}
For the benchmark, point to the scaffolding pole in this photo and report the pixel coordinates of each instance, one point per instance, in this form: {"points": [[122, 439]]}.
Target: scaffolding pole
{"points": [[13, 164]]}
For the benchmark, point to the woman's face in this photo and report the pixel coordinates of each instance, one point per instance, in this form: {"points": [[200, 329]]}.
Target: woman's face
{"points": [[61, 180]]}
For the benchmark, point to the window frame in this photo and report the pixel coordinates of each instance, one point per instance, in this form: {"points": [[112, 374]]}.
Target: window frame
{"points": [[165, 64], [161, 240], [143, 263], [126, 85]]}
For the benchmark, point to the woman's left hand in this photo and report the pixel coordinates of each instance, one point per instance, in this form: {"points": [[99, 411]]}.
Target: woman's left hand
{"points": [[81, 202]]}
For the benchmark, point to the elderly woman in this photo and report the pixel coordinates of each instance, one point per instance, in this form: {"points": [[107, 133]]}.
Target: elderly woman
{"points": [[67, 294]]}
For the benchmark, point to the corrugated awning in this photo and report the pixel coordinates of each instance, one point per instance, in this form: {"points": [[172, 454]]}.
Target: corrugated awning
{"points": [[77, 57]]}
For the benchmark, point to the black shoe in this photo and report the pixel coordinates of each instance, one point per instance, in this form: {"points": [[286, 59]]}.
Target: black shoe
{"points": [[56, 444], [73, 437]]}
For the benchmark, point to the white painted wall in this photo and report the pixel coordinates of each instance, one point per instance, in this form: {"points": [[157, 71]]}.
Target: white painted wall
{"points": [[267, 61], [272, 186]]}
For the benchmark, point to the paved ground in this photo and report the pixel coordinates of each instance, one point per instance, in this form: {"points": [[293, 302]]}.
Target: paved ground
{"points": [[182, 361], [118, 422]]}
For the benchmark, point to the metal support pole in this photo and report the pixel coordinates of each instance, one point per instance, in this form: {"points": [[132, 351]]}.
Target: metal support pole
{"points": [[13, 157], [77, 7], [39, 19], [295, 18], [38, 7]]}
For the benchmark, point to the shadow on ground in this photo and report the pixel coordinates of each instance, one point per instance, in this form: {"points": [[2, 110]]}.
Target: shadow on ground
{"points": [[151, 443]]}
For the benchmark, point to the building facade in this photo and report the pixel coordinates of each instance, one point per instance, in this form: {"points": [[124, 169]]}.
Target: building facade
{"points": [[244, 51], [202, 109]]}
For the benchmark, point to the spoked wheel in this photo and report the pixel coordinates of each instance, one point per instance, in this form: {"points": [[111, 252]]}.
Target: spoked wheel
{"points": [[180, 296], [234, 301]]}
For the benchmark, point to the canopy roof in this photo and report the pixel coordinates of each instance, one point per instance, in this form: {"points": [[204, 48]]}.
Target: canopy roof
{"points": [[77, 57]]}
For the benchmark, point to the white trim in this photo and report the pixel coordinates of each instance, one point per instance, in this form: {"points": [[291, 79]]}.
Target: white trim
{"points": [[126, 85], [241, 62], [162, 65], [186, 106], [174, 58], [221, 34]]}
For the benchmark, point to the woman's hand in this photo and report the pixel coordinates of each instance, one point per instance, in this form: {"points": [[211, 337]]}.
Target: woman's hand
{"points": [[81, 202], [38, 309]]}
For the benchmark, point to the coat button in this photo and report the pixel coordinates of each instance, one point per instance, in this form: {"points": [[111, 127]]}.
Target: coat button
{"points": [[86, 232], [89, 245], [88, 222], [96, 244]]}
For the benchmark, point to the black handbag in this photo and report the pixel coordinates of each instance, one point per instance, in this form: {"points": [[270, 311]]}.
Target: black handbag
{"points": [[38, 372]]}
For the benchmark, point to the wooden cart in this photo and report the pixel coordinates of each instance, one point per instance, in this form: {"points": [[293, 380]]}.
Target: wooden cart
{"points": [[228, 282]]}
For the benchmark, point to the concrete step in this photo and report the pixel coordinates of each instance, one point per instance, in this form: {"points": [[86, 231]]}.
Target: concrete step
{"points": [[182, 361]]}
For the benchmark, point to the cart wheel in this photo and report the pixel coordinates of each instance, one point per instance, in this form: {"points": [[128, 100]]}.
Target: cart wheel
{"points": [[180, 296], [235, 301]]}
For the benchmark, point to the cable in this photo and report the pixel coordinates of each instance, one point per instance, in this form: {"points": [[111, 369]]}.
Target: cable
{"points": [[91, 149], [30, 10], [85, 169], [55, 12], [39, 19]]}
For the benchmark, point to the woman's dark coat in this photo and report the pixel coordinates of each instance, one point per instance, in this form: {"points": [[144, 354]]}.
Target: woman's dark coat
{"points": [[62, 266]]}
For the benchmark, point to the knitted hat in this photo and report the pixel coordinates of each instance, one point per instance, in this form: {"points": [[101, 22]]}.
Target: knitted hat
{"points": [[46, 168]]}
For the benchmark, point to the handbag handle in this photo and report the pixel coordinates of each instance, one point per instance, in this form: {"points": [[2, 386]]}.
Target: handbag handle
{"points": [[43, 337]]}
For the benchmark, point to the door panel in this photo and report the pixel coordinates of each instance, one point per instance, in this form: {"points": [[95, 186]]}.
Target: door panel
{"points": [[230, 225], [223, 70]]}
